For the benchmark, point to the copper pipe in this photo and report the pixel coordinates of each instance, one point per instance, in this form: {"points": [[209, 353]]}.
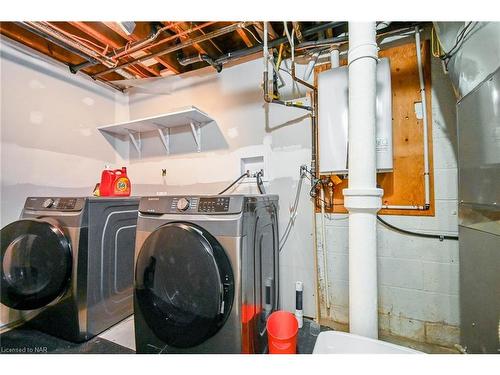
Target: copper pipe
{"points": [[68, 47], [109, 42], [182, 33], [61, 36], [78, 67], [133, 38], [140, 45], [176, 47]]}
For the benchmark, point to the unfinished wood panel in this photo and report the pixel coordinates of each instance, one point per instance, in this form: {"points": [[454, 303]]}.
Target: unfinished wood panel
{"points": [[405, 185]]}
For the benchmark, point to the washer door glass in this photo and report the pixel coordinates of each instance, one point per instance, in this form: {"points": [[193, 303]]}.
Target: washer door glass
{"points": [[184, 284], [36, 264]]}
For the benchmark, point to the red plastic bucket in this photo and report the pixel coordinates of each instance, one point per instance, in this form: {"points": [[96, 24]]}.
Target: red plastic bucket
{"points": [[282, 328]]}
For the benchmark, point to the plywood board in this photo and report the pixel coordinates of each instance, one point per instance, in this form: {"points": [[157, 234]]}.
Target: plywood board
{"points": [[405, 185]]}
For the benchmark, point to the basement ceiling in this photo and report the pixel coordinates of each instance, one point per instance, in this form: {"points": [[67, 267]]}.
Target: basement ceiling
{"points": [[111, 52]]}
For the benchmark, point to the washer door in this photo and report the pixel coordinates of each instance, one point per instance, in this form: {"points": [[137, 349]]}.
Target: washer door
{"points": [[184, 284], [36, 264]]}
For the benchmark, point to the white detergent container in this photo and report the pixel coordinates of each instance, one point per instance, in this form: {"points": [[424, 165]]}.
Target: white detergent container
{"points": [[333, 105]]}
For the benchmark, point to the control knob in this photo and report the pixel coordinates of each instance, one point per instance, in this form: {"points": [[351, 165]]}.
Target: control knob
{"points": [[182, 204], [47, 203]]}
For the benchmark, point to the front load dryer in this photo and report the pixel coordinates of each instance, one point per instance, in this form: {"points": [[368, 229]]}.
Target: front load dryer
{"points": [[206, 273], [67, 264]]}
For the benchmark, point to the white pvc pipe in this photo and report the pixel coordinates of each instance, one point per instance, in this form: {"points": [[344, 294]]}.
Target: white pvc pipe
{"points": [[323, 248], [265, 51], [424, 116], [362, 198], [310, 66], [334, 58]]}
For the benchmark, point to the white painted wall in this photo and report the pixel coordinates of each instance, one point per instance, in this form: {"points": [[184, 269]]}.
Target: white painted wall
{"points": [[49, 144], [417, 277], [245, 126]]}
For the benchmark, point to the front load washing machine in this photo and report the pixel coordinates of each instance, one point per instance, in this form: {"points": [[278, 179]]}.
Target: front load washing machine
{"points": [[206, 273], [67, 264]]}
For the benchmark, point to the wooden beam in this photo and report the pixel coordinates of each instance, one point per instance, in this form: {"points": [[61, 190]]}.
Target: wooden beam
{"points": [[199, 48], [45, 47], [107, 40], [133, 38], [212, 42], [244, 37]]}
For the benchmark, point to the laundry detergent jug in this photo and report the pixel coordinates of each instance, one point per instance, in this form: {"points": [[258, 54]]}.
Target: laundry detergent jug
{"points": [[114, 183]]}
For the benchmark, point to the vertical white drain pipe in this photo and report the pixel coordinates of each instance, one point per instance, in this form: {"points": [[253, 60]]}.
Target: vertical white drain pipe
{"points": [[362, 197], [323, 247], [334, 58]]}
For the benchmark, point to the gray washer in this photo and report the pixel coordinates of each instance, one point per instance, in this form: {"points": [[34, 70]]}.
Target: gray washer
{"points": [[206, 276], [67, 264]]}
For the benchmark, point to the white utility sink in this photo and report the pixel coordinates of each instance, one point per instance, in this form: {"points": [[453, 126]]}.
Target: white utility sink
{"points": [[331, 342]]}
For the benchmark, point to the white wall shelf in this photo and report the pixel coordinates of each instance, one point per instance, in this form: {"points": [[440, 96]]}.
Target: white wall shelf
{"points": [[190, 117]]}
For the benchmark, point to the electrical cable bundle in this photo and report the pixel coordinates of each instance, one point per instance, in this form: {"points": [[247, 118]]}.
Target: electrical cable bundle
{"points": [[461, 36]]}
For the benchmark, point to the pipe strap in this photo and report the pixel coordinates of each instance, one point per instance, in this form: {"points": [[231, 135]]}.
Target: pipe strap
{"points": [[361, 51]]}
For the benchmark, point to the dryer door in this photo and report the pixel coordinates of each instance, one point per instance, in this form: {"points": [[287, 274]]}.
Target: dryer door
{"points": [[36, 264], [184, 284]]}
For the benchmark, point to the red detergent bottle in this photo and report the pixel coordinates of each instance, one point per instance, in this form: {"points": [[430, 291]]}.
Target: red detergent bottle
{"points": [[114, 183]]}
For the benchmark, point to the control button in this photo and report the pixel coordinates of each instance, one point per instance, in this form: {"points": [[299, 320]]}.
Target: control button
{"points": [[182, 204], [47, 203]]}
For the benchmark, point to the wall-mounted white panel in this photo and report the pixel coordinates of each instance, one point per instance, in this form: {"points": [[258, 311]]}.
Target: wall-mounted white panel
{"points": [[333, 105]]}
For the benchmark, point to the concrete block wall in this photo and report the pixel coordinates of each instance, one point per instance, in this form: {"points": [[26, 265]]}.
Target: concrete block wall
{"points": [[417, 277]]}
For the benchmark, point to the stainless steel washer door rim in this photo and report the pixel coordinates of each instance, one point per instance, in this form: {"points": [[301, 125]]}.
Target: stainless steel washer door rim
{"points": [[36, 264]]}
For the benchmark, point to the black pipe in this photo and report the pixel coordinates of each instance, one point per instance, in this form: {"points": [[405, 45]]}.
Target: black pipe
{"points": [[275, 42], [68, 48], [199, 58], [57, 42], [154, 30], [440, 237]]}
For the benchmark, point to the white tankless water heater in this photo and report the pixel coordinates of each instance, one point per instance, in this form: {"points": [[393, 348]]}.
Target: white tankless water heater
{"points": [[333, 104]]}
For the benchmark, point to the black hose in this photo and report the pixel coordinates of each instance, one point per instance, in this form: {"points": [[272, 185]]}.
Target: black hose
{"points": [[260, 184], [234, 183], [440, 237]]}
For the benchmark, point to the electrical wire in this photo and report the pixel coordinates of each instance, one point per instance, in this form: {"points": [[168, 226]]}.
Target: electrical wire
{"points": [[440, 237], [251, 33], [234, 182], [459, 40]]}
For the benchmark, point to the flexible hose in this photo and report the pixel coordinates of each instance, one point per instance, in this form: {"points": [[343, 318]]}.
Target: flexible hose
{"points": [[234, 183], [260, 184], [440, 237], [293, 214]]}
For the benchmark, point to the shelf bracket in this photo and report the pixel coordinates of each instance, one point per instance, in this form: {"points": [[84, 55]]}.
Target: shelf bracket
{"points": [[196, 130], [165, 138], [135, 141]]}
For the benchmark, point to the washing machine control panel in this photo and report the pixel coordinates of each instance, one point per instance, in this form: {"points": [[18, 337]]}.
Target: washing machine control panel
{"points": [[192, 205], [214, 204], [54, 203]]}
